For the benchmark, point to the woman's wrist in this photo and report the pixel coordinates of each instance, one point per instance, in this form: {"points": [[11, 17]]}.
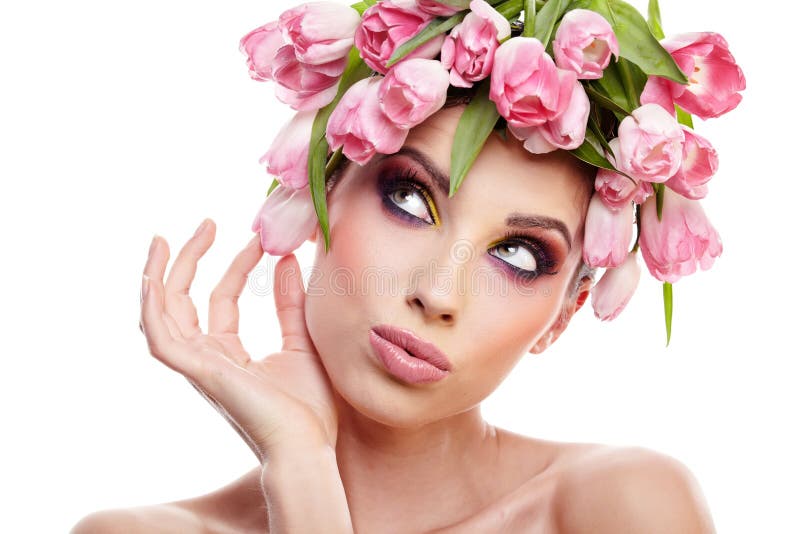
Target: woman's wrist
{"points": [[303, 490]]}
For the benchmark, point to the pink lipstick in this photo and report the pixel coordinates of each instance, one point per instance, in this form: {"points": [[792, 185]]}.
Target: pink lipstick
{"points": [[408, 357]]}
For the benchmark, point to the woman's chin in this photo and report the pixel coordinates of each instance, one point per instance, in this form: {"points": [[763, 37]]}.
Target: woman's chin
{"points": [[377, 396]]}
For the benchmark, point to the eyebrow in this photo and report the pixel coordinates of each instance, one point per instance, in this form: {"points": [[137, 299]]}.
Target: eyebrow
{"points": [[520, 220], [514, 220]]}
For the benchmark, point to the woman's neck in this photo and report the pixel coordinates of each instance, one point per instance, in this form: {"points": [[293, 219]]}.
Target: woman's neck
{"points": [[434, 471]]}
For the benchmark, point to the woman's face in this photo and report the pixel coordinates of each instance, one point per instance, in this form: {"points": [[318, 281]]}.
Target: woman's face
{"points": [[448, 269]]}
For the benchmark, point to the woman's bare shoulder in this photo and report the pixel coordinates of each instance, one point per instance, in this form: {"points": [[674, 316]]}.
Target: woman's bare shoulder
{"points": [[155, 518], [238, 507], [602, 488]]}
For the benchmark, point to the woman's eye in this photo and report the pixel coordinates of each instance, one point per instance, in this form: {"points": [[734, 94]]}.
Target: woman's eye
{"points": [[411, 201], [518, 256]]}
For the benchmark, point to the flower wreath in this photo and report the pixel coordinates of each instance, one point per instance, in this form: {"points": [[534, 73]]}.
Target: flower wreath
{"points": [[361, 76]]}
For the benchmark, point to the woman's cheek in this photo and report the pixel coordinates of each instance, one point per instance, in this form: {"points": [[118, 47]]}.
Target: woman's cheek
{"points": [[517, 317]]}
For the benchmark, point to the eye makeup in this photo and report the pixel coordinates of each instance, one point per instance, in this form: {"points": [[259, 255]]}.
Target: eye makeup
{"points": [[540, 250], [401, 178], [406, 179]]}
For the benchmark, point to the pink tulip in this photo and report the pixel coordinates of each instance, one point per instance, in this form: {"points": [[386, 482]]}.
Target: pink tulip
{"points": [[260, 46], [672, 247], [285, 220], [567, 131], [359, 126], [616, 287], [607, 233], [700, 162], [287, 158], [643, 192], [320, 32], [584, 43], [714, 77], [387, 25], [614, 189], [442, 9], [650, 144], [468, 51], [658, 90], [412, 91], [302, 86], [526, 85]]}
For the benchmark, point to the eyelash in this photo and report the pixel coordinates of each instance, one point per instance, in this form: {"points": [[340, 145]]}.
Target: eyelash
{"points": [[541, 251], [545, 264], [394, 181]]}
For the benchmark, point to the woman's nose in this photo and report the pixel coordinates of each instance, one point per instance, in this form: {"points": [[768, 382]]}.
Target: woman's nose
{"points": [[431, 308], [437, 289]]}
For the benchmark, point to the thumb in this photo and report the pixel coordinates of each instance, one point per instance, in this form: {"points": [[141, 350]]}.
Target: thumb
{"points": [[290, 300]]}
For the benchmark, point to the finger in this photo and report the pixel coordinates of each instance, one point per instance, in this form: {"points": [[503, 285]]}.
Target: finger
{"points": [[172, 326], [178, 302], [162, 344], [223, 308], [174, 331], [290, 298]]}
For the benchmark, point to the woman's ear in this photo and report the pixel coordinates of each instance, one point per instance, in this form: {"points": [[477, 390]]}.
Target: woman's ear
{"points": [[575, 304]]}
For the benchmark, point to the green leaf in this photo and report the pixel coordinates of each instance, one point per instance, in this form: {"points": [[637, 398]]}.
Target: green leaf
{"points": [[437, 27], [457, 4], [633, 79], [274, 184], [659, 191], [638, 77], [684, 117], [668, 309], [546, 20], [636, 42], [606, 101], [598, 6], [590, 151], [474, 127], [363, 6], [355, 70], [529, 28], [594, 125], [590, 154], [509, 9], [654, 19], [611, 84]]}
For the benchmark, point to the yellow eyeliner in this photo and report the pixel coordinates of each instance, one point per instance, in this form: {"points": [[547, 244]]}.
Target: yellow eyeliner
{"points": [[432, 206]]}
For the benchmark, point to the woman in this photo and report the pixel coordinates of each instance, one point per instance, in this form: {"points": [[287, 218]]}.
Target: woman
{"points": [[331, 420], [369, 418]]}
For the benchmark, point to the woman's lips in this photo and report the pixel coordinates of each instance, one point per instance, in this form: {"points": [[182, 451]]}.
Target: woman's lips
{"points": [[408, 357]]}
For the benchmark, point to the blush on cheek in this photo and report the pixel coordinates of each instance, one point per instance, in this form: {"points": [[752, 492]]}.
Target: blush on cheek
{"points": [[520, 316]]}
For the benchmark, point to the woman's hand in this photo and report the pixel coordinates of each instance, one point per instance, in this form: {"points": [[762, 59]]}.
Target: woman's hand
{"points": [[281, 401]]}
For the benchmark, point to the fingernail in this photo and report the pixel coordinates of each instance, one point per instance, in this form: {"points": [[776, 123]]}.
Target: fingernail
{"points": [[152, 245], [201, 228], [145, 287]]}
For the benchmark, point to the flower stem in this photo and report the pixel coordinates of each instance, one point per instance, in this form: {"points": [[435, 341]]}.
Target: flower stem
{"points": [[530, 18]]}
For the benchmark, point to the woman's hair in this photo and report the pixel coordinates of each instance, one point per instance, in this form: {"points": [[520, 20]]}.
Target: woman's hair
{"points": [[457, 96]]}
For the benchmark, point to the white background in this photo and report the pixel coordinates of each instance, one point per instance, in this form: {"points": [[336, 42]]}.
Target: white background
{"points": [[121, 120]]}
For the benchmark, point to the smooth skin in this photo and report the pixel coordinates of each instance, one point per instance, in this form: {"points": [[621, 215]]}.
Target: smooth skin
{"points": [[576, 488], [381, 456]]}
